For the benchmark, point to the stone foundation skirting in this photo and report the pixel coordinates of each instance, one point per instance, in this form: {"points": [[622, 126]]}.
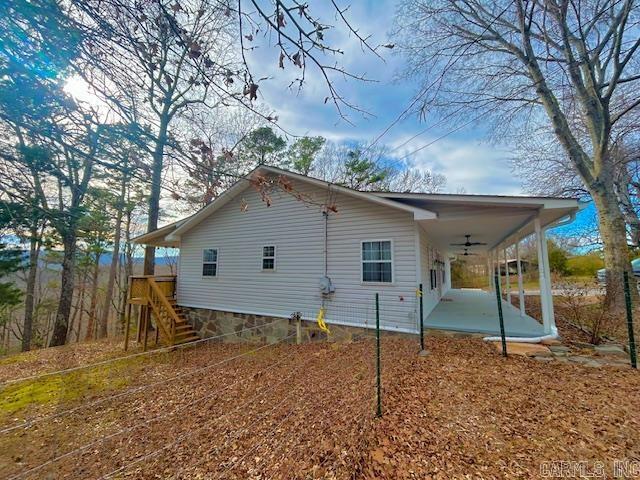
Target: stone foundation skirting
{"points": [[234, 327]]}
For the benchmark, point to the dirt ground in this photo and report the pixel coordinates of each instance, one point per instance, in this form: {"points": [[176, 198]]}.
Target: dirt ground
{"points": [[308, 411]]}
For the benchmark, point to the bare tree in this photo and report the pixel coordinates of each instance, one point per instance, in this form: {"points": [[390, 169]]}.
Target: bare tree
{"points": [[372, 168], [545, 169], [153, 60], [571, 66], [214, 162], [181, 55]]}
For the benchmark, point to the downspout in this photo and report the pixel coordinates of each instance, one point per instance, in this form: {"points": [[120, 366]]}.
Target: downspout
{"points": [[554, 334]]}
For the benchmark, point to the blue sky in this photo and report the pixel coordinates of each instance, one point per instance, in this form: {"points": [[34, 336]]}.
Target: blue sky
{"points": [[465, 157]]}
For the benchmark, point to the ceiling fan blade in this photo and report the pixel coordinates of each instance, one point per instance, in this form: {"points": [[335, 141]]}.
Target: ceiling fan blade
{"points": [[476, 243]]}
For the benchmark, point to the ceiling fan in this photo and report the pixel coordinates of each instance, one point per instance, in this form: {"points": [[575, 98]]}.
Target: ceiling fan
{"points": [[466, 253], [468, 243]]}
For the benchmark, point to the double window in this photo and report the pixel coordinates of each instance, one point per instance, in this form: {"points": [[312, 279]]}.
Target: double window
{"points": [[269, 257], [377, 262], [210, 262]]}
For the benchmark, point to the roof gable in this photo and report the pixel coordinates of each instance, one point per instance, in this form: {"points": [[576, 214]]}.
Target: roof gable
{"points": [[241, 185]]}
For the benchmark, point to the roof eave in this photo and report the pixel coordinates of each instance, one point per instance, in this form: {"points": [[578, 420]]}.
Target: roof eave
{"points": [[544, 202], [159, 237]]}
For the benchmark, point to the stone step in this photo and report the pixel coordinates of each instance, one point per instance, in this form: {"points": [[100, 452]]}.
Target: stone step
{"points": [[525, 349]]}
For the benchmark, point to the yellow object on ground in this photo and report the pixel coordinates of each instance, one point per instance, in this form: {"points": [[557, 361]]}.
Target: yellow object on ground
{"points": [[320, 320]]}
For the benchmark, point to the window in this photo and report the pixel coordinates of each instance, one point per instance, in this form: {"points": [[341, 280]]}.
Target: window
{"points": [[376, 262], [210, 262], [433, 275], [269, 257]]}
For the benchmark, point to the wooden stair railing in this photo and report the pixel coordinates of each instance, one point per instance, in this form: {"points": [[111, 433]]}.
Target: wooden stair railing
{"points": [[170, 320], [171, 323]]}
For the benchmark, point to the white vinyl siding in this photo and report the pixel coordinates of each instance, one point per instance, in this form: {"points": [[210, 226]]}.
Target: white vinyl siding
{"points": [[431, 272], [297, 229]]}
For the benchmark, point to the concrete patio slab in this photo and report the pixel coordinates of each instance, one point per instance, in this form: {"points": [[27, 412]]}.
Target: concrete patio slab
{"points": [[467, 310]]}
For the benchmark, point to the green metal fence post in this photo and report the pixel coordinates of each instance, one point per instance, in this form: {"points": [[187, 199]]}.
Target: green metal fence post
{"points": [[420, 292], [499, 298], [378, 379], [632, 341]]}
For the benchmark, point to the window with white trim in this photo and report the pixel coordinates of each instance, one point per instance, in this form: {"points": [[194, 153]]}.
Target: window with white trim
{"points": [[377, 262], [210, 262], [269, 257]]}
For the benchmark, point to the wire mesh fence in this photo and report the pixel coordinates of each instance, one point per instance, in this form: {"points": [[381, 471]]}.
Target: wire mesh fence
{"points": [[213, 406]]}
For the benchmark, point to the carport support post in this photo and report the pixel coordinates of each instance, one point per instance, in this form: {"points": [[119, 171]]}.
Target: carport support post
{"points": [[507, 286], [545, 280], [378, 379], [502, 335], [632, 341], [492, 271], [520, 285]]}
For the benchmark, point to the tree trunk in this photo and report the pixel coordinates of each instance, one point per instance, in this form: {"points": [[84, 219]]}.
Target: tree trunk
{"points": [[59, 336], [83, 292], [611, 224], [627, 205], [115, 260], [154, 197], [128, 269], [29, 301], [77, 311], [91, 326]]}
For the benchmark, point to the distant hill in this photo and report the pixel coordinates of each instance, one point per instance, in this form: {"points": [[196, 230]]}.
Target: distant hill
{"points": [[105, 259], [160, 259]]}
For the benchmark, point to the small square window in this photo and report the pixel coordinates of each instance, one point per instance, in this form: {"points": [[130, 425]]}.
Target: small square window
{"points": [[210, 262], [269, 257]]}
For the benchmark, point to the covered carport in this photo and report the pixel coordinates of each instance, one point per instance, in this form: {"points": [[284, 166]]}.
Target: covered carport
{"points": [[486, 226]]}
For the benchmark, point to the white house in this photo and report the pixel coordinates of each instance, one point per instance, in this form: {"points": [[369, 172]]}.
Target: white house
{"points": [[313, 244]]}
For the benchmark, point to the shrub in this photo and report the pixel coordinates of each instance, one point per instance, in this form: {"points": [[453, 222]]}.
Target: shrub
{"points": [[557, 258], [585, 265], [594, 315]]}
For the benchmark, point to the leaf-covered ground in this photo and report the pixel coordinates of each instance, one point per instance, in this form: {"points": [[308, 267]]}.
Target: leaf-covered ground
{"points": [[286, 411], [57, 358]]}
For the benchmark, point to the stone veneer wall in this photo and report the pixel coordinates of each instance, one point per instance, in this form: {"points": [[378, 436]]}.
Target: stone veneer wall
{"points": [[234, 327]]}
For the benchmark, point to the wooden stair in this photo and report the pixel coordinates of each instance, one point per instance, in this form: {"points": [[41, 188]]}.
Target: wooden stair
{"points": [[170, 319], [184, 332]]}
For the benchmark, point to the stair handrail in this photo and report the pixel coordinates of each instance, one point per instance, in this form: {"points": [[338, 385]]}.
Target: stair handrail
{"points": [[167, 306]]}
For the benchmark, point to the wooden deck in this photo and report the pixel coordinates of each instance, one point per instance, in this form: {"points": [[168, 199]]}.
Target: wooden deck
{"points": [[139, 287]]}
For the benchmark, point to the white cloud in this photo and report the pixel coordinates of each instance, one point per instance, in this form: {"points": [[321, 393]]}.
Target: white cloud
{"points": [[468, 164], [464, 160]]}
